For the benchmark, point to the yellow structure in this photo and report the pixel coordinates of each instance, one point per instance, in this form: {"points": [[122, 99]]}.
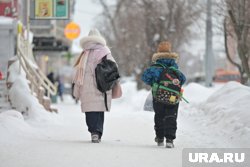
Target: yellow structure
{"points": [[72, 31]]}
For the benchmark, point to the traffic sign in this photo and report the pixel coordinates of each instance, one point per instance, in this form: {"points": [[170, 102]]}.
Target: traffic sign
{"points": [[72, 31]]}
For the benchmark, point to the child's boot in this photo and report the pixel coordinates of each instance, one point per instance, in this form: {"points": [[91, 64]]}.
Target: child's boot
{"points": [[159, 141], [169, 143]]}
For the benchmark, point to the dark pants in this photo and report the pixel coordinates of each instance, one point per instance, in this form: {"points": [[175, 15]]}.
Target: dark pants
{"points": [[165, 120], [95, 122]]}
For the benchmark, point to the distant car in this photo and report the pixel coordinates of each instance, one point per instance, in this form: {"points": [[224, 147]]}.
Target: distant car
{"points": [[222, 75]]}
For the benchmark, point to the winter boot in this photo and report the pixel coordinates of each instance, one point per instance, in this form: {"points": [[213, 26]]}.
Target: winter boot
{"points": [[95, 138], [169, 143], [159, 141]]}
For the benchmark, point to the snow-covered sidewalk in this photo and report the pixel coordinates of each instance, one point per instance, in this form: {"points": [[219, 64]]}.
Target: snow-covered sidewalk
{"points": [[127, 141], [128, 138]]}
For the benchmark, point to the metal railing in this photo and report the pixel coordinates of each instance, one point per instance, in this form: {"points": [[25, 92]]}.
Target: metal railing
{"points": [[34, 74]]}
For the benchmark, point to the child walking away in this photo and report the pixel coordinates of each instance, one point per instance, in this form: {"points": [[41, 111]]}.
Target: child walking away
{"points": [[166, 81], [94, 102]]}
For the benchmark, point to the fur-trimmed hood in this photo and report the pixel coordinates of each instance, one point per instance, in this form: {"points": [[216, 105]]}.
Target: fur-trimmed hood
{"points": [[165, 55], [94, 37]]}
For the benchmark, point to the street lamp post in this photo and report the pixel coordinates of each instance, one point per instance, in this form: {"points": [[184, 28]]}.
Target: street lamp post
{"points": [[209, 63]]}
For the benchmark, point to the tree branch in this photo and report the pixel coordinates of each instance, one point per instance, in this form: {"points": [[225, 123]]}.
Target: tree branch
{"points": [[226, 48], [235, 25], [109, 15]]}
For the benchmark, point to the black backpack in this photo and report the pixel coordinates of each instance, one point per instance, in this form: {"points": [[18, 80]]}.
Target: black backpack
{"points": [[168, 88], [107, 74]]}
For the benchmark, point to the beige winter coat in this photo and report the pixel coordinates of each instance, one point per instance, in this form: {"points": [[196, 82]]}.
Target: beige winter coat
{"points": [[94, 47], [91, 98]]}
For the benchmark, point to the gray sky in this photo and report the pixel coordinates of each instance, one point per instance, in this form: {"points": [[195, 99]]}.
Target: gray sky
{"points": [[85, 14]]}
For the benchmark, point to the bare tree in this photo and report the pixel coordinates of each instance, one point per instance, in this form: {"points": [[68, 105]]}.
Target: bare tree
{"points": [[229, 56], [134, 29], [237, 24]]}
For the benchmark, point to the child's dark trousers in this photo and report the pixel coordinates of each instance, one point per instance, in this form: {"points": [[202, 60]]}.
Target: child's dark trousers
{"points": [[165, 120]]}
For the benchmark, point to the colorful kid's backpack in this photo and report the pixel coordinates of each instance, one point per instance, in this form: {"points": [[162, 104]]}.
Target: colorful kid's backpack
{"points": [[168, 88]]}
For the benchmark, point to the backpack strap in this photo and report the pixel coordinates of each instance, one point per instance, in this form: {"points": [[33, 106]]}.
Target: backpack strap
{"points": [[105, 101], [156, 85], [159, 65], [176, 71]]}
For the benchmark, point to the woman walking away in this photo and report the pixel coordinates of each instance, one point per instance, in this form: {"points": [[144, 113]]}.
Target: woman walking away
{"points": [[85, 88], [166, 82]]}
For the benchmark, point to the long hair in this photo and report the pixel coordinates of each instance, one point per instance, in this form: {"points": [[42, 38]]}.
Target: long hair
{"points": [[78, 59]]}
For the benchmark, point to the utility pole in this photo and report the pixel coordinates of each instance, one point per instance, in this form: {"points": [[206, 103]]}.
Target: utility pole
{"points": [[209, 59]]}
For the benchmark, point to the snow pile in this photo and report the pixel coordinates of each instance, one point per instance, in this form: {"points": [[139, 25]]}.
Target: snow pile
{"points": [[12, 122], [229, 109], [226, 110], [21, 97], [196, 93]]}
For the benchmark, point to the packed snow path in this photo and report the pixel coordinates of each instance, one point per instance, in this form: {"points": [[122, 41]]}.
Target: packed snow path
{"points": [[128, 141]]}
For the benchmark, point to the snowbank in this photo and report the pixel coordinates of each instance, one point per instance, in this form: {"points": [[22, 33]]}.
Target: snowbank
{"points": [[196, 93], [228, 109], [13, 122], [21, 97], [225, 109]]}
